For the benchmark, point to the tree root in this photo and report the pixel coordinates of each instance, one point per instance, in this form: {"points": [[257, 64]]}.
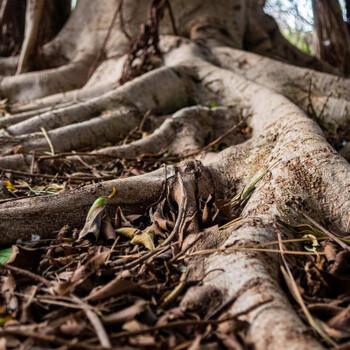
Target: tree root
{"points": [[21, 87], [74, 205], [287, 165], [186, 133], [323, 96], [130, 94]]}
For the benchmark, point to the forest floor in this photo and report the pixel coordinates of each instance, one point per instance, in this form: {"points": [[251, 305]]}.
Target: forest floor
{"points": [[119, 281]]}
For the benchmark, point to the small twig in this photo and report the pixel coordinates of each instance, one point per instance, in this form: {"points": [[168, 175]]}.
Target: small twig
{"points": [[170, 325], [152, 254], [184, 251], [176, 291], [26, 273], [111, 250], [96, 323], [46, 300], [46, 135], [72, 154]]}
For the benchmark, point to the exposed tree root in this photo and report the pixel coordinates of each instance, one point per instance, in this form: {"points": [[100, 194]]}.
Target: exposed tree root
{"points": [[38, 84], [129, 94], [184, 134], [281, 76], [287, 165], [76, 204], [288, 137]]}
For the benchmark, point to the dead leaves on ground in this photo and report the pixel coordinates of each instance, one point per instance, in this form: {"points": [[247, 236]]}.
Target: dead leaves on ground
{"points": [[323, 279], [116, 284]]}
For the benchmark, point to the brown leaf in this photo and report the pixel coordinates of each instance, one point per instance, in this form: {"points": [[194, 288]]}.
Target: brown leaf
{"points": [[118, 286], [128, 232], [330, 251], [145, 239], [126, 314], [133, 326], [99, 259], [161, 222], [107, 230], [120, 220], [94, 217], [92, 226], [73, 279]]}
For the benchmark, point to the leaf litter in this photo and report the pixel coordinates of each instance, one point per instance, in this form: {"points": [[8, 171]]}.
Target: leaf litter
{"points": [[319, 282], [117, 282]]}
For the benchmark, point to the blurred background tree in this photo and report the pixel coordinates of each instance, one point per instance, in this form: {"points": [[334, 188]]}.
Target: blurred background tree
{"points": [[295, 18], [317, 27]]}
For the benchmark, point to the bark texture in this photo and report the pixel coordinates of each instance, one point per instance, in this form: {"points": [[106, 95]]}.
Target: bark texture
{"points": [[292, 114]]}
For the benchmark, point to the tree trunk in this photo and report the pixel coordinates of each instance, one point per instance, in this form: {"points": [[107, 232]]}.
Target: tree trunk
{"points": [[11, 26], [291, 112], [43, 21], [332, 37], [50, 17], [347, 10]]}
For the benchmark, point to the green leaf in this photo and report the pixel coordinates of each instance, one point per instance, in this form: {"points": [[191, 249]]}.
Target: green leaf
{"points": [[92, 226], [314, 243], [7, 255], [99, 202]]}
